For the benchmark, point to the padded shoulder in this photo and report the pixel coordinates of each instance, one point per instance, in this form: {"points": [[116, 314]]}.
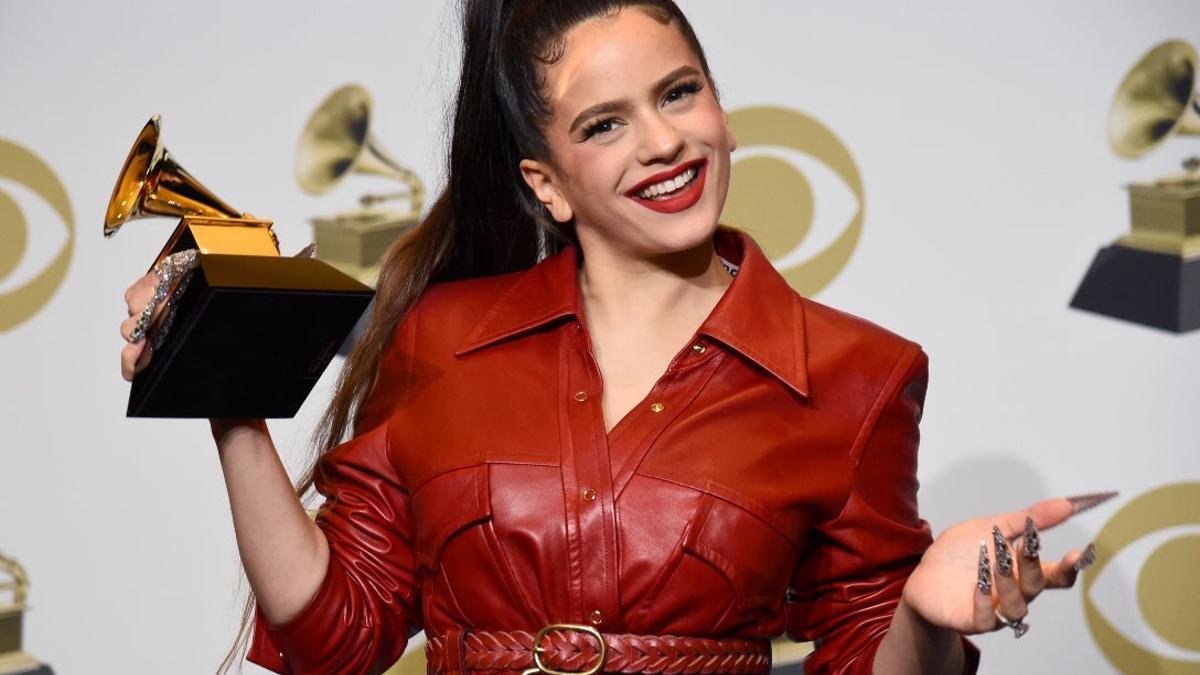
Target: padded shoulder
{"points": [[855, 364], [452, 309], [824, 320]]}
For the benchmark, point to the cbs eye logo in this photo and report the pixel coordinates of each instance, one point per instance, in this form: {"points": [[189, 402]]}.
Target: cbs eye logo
{"points": [[1142, 599], [784, 159], [32, 179]]}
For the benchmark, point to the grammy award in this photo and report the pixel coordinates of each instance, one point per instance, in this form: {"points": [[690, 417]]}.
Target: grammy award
{"points": [[244, 331], [1151, 276], [336, 142], [13, 661]]}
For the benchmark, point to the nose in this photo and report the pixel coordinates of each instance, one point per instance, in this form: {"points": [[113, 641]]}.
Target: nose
{"points": [[660, 140]]}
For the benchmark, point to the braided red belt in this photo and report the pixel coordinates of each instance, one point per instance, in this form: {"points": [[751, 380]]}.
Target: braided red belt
{"points": [[564, 649]]}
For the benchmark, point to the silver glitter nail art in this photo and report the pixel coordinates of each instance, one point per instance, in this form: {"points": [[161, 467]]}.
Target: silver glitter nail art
{"points": [[985, 570], [1004, 559], [1090, 501], [1032, 543], [1085, 561]]}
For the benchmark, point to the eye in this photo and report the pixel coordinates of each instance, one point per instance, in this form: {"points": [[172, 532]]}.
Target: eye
{"points": [[1139, 598], [38, 231], [600, 127], [682, 90], [797, 187]]}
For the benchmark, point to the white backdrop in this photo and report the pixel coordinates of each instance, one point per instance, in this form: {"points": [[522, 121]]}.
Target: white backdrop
{"points": [[979, 132]]}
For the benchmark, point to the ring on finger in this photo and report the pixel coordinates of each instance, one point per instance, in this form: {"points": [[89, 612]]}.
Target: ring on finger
{"points": [[168, 270], [1018, 626]]}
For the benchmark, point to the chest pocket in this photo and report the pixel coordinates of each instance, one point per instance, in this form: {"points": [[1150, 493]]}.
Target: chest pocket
{"points": [[754, 558], [445, 509]]}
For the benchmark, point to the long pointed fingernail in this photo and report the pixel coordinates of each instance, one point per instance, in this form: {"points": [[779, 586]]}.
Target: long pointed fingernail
{"points": [[1004, 558], [1085, 561], [985, 570], [1032, 543], [1087, 502]]}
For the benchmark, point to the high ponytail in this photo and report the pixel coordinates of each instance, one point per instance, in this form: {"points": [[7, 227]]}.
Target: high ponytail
{"points": [[486, 220], [478, 226]]}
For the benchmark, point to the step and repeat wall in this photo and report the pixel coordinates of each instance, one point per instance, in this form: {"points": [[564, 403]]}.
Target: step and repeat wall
{"points": [[941, 168]]}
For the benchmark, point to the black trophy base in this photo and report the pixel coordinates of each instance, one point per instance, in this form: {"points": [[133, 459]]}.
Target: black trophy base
{"points": [[250, 338], [1154, 289]]}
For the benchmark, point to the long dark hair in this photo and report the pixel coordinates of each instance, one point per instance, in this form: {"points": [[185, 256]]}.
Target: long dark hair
{"points": [[486, 220]]}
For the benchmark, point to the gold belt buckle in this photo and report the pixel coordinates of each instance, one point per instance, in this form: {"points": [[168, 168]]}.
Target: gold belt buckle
{"points": [[539, 667]]}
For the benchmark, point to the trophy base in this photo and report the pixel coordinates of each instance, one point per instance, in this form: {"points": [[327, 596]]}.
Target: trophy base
{"points": [[250, 338], [355, 242], [1160, 290]]}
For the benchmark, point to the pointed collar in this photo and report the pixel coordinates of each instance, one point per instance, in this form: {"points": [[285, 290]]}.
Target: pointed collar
{"points": [[759, 315]]}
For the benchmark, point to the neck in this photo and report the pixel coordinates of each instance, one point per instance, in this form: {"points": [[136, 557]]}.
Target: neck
{"points": [[617, 287]]}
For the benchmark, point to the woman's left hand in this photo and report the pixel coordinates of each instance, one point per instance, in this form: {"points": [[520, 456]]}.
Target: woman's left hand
{"points": [[984, 570]]}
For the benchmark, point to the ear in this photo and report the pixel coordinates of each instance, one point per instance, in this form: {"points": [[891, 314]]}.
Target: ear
{"points": [[732, 139], [540, 178]]}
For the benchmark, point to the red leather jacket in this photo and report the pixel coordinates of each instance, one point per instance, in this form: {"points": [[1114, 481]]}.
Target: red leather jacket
{"points": [[766, 484]]}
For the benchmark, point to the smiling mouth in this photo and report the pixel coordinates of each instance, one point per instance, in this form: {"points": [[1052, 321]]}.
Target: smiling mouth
{"points": [[667, 188], [672, 191], [667, 184]]}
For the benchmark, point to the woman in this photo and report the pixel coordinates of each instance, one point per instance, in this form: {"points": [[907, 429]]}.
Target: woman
{"points": [[645, 435]]}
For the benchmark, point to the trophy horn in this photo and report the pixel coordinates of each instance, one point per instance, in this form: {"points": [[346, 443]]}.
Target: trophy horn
{"points": [[1156, 100], [337, 140], [152, 183]]}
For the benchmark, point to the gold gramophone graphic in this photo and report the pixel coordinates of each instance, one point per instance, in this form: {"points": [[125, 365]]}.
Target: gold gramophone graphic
{"points": [[13, 661], [244, 332], [336, 142], [1151, 276]]}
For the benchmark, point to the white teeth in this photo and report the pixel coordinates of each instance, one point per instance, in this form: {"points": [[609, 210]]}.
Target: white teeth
{"points": [[669, 185]]}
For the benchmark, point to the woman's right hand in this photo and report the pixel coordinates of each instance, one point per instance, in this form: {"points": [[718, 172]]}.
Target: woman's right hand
{"points": [[135, 356], [284, 553]]}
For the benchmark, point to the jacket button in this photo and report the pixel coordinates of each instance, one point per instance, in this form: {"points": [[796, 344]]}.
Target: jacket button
{"points": [[581, 396], [698, 348], [596, 617], [657, 407], [589, 494]]}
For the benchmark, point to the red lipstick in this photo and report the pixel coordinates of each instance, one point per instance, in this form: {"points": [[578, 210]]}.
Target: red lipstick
{"points": [[683, 199]]}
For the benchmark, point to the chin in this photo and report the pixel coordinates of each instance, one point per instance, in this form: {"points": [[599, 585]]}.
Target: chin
{"points": [[655, 234], [683, 235], [686, 230]]}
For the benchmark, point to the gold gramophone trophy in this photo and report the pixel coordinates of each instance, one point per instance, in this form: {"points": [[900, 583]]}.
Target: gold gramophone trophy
{"points": [[13, 661], [245, 331], [1151, 276], [337, 141]]}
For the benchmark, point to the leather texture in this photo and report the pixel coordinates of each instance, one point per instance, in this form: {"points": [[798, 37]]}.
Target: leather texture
{"points": [[511, 653], [765, 485]]}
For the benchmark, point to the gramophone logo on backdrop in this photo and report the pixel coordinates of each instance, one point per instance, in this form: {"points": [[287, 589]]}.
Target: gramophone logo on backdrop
{"points": [[21, 300], [1151, 276], [337, 141], [15, 583], [782, 156], [1141, 598]]}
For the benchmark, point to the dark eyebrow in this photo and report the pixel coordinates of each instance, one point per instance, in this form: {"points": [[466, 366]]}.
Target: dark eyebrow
{"points": [[622, 104]]}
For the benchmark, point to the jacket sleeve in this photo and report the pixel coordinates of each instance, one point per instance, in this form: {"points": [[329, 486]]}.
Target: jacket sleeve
{"points": [[358, 621], [360, 618], [847, 588]]}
